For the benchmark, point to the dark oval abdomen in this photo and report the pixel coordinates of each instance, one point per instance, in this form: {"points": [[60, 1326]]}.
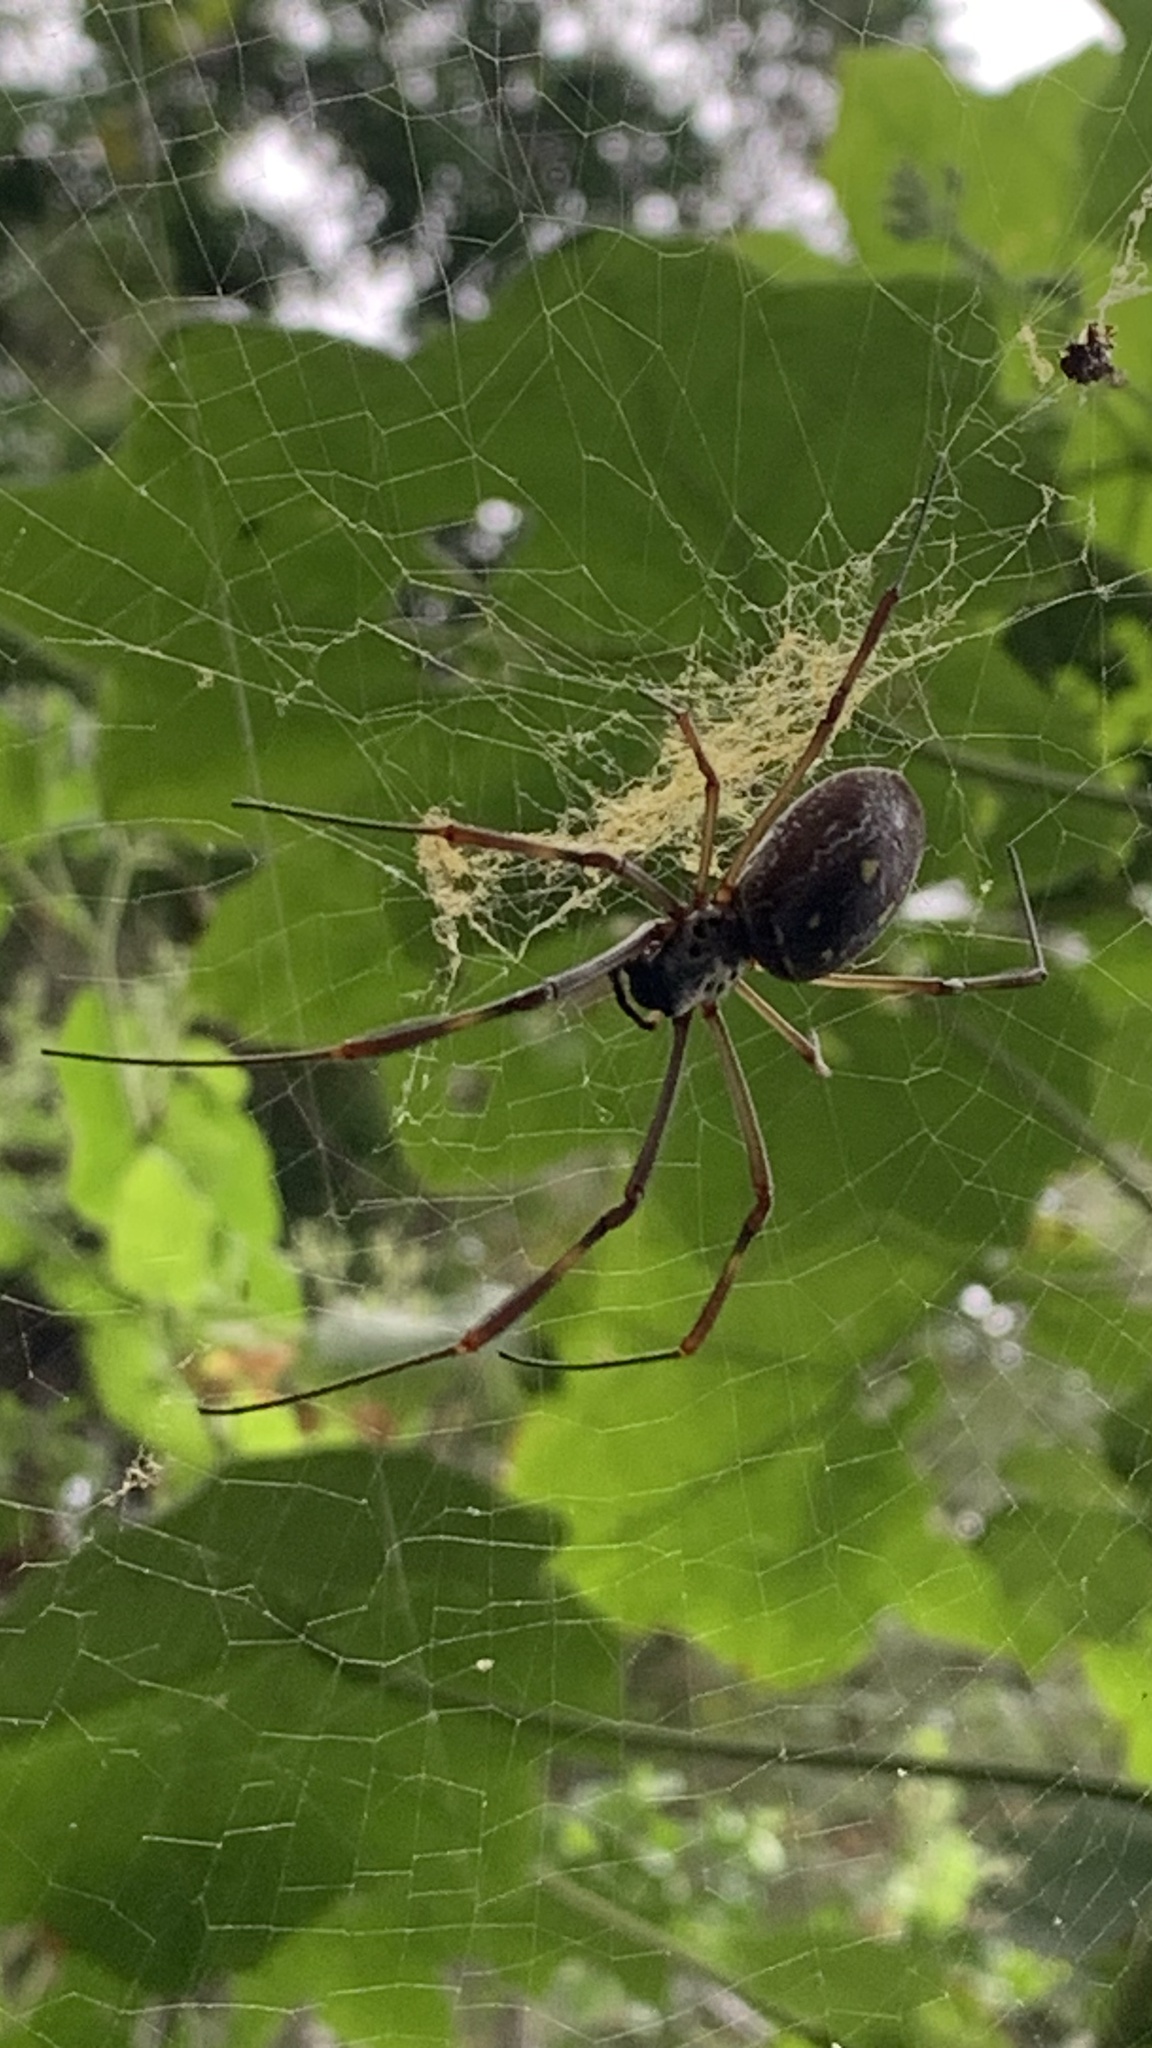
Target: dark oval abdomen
{"points": [[831, 872]]}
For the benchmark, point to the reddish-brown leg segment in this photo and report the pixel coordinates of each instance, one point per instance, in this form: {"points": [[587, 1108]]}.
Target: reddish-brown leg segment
{"points": [[691, 738], [694, 743], [489, 1327], [392, 1038], [479, 836], [761, 1176], [759, 1171]]}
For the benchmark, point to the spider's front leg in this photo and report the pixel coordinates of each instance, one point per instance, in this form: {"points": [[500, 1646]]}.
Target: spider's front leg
{"points": [[453, 833], [488, 1328]]}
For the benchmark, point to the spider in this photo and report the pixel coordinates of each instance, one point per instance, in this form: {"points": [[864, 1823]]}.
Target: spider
{"points": [[810, 887], [1089, 360]]}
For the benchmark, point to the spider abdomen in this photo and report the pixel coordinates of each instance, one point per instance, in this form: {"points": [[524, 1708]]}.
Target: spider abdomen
{"points": [[830, 873]]}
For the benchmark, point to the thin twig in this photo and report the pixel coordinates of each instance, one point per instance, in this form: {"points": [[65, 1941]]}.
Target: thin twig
{"points": [[603, 1735]]}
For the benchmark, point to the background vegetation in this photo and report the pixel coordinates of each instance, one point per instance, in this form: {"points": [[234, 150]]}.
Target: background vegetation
{"points": [[798, 1691]]}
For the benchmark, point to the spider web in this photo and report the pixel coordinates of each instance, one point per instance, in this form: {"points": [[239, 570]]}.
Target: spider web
{"points": [[795, 1691]]}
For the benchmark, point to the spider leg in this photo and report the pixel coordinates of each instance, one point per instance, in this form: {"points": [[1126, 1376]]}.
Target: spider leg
{"points": [[517, 1304], [694, 743], [959, 984], [479, 836], [815, 747], [830, 717], [760, 1172], [808, 1048], [401, 1037]]}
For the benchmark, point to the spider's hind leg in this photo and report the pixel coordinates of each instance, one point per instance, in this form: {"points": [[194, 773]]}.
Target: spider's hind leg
{"points": [[1029, 976]]}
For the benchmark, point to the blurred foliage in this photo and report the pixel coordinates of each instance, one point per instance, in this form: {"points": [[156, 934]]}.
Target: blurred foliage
{"points": [[341, 1726], [444, 147]]}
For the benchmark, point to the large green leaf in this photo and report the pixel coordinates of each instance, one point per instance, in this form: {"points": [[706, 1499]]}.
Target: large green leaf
{"points": [[219, 1728], [934, 175], [237, 573]]}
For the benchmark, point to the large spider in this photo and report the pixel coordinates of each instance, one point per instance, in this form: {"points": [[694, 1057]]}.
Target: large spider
{"points": [[809, 888]]}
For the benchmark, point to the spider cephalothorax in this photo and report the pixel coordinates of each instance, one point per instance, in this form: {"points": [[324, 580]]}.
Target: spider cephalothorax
{"points": [[810, 887], [693, 959]]}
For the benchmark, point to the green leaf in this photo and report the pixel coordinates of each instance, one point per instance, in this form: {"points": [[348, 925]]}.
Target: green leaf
{"points": [[1068, 1573], [1117, 149], [1121, 1674], [878, 1993], [934, 175], [160, 1232], [315, 477], [103, 1127], [69, 2002], [219, 1728], [753, 1506]]}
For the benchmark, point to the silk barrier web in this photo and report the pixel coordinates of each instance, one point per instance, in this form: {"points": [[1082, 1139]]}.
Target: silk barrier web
{"points": [[796, 1691]]}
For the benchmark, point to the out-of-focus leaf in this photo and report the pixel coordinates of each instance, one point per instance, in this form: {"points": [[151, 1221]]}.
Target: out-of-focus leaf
{"points": [[931, 172], [222, 1723]]}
